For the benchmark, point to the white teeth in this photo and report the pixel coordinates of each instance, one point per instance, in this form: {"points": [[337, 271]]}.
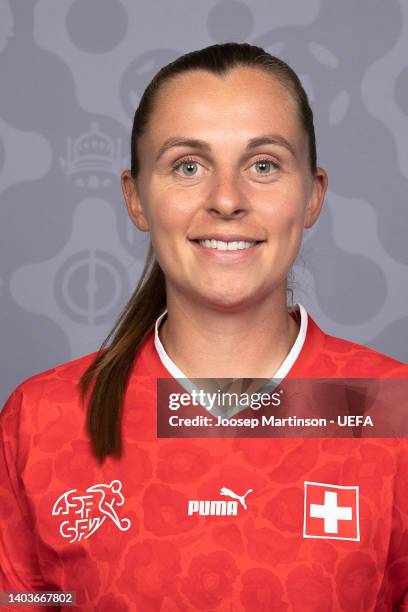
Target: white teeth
{"points": [[226, 246]]}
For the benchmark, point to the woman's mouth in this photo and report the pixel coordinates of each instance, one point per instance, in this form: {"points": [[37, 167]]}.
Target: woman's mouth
{"points": [[221, 245], [223, 250]]}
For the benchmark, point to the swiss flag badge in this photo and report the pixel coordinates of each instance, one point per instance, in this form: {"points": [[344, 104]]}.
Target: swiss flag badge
{"points": [[331, 512]]}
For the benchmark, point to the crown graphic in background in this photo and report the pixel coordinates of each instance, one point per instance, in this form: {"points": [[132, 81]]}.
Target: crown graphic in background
{"points": [[92, 154]]}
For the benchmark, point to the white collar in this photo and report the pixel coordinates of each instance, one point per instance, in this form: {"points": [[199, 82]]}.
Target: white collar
{"points": [[280, 373]]}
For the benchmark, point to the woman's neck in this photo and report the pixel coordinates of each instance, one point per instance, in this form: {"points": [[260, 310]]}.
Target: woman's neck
{"points": [[206, 343]]}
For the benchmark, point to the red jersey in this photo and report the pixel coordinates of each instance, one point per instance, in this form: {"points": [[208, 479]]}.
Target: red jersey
{"points": [[221, 524]]}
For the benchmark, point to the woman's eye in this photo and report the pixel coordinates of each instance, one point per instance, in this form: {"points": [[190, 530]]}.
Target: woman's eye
{"points": [[265, 166], [187, 167]]}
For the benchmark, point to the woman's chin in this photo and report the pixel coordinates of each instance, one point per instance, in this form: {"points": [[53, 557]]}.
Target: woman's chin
{"points": [[227, 301]]}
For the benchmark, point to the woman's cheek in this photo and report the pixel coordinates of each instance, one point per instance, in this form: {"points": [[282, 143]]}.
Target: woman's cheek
{"points": [[173, 213], [282, 219]]}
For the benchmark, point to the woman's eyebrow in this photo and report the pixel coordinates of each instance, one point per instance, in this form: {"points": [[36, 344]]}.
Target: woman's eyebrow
{"points": [[202, 145], [275, 139]]}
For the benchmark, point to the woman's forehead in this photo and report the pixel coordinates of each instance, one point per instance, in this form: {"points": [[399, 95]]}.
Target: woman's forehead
{"points": [[241, 87], [244, 101]]}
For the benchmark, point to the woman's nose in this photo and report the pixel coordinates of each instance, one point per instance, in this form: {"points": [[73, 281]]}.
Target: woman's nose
{"points": [[226, 198]]}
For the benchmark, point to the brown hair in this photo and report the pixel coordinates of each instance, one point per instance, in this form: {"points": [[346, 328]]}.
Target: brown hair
{"points": [[110, 370]]}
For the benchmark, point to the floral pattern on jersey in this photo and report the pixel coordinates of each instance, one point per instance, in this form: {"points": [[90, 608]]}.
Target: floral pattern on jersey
{"points": [[356, 581], [177, 465], [167, 513], [150, 571], [285, 510], [210, 579], [111, 603], [262, 591], [309, 589], [228, 537]]}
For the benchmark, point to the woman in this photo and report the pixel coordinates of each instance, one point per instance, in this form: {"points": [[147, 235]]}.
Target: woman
{"points": [[224, 178]]}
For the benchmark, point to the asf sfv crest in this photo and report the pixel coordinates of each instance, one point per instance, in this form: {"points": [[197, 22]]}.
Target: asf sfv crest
{"points": [[84, 514]]}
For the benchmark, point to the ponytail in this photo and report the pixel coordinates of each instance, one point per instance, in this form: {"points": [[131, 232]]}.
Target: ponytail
{"points": [[112, 366]]}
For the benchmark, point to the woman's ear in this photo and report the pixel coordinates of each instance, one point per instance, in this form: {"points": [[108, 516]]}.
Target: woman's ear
{"points": [[316, 199], [132, 200]]}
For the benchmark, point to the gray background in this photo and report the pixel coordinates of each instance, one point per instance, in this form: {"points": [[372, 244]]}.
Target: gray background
{"points": [[72, 73]]}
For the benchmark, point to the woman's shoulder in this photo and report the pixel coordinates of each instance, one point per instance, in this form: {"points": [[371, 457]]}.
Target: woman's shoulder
{"points": [[333, 356], [55, 386], [71, 370], [354, 359]]}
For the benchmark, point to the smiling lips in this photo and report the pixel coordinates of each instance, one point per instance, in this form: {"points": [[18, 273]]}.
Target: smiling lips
{"points": [[226, 246], [227, 243]]}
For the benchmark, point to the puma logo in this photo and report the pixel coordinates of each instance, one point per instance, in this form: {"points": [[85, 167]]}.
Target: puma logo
{"points": [[240, 498]]}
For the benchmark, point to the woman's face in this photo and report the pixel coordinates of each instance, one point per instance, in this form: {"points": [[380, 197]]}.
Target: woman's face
{"points": [[224, 163]]}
